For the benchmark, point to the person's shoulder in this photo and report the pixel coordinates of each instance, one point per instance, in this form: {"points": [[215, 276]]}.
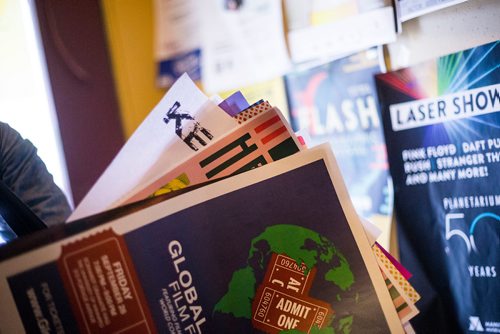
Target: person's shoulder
{"points": [[8, 133], [5, 127]]}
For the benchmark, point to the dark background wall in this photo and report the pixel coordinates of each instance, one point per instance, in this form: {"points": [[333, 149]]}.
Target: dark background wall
{"points": [[80, 74]]}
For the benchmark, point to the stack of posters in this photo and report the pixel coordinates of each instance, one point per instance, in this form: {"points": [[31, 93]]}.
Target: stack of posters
{"points": [[248, 232], [191, 138], [441, 123]]}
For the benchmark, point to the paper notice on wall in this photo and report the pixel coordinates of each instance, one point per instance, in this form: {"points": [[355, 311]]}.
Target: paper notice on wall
{"points": [[243, 42], [410, 9], [342, 36], [177, 40]]}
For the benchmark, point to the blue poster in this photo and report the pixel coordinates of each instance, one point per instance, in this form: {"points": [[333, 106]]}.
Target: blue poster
{"points": [[442, 128], [337, 103]]}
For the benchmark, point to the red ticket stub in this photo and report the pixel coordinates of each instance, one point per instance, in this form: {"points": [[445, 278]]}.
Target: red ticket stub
{"points": [[276, 311], [103, 287], [282, 301], [284, 273]]}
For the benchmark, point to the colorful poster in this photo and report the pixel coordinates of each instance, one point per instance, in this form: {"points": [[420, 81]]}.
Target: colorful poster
{"points": [[265, 138], [442, 128], [337, 103], [273, 90], [277, 249], [234, 104]]}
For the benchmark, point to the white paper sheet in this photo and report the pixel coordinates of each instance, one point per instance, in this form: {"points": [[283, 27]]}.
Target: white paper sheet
{"points": [[371, 230], [155, 146], [241, 45]]}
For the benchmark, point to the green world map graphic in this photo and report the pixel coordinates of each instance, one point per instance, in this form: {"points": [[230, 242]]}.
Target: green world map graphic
{"points": [[305, 247]]}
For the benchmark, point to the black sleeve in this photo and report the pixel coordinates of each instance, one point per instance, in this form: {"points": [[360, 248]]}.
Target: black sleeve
{"points": [[22, 170]]}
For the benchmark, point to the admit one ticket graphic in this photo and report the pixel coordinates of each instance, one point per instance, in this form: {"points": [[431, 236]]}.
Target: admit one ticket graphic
{"points": [[282, 301]]}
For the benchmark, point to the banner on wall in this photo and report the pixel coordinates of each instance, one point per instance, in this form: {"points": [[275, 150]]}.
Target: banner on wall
{"points": [[442, 127], [337, 103]]}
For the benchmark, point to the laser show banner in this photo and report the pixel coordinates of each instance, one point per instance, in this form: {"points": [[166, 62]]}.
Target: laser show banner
{"points": [[278, 249], [442, 127]]}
